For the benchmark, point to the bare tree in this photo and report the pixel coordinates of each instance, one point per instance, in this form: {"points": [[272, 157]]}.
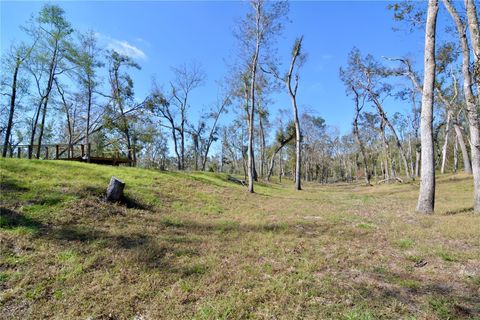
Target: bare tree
{"points": [[212, 136], [186, 79]]}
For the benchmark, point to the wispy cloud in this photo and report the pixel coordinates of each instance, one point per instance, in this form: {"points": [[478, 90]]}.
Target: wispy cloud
{"points": [[122, 47], [125, 48]]}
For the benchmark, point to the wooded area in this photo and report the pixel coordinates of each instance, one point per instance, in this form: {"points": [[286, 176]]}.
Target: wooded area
{"points": [[278, 178], [62, 88]]}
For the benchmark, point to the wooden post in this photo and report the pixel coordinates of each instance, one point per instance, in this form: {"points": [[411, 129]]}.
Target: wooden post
{"points": [[19, 152], [82, 147], [57, 151], [46, 153]]}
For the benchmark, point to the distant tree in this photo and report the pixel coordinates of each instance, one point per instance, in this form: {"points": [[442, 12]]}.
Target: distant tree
{"points": [[86, 59], [367, 75], [186, 79], [214, 116], [282, 138], [121, 112]]}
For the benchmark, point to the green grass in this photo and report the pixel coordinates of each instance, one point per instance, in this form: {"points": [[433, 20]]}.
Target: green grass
{"points": [[196, 246]]}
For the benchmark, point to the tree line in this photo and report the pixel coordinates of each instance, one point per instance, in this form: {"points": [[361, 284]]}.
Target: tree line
{"points": [[62, 87]]}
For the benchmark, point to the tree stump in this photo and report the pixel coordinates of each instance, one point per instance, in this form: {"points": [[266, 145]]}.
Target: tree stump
{"points": [[115, 190]]}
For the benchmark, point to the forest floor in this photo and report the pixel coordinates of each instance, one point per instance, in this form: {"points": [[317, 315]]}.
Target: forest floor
{"points": [[195, 246]]}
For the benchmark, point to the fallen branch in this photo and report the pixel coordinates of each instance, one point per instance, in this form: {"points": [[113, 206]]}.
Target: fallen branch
{"points": [[233, 179], [390, 179]]}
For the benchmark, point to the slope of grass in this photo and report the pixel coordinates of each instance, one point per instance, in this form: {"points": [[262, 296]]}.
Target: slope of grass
{"points": [[195, 246]]}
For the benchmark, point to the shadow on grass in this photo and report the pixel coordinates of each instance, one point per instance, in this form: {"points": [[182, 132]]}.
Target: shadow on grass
{"points": [[10, 219], [458, 211], [132, 203], [7, 185], [446, 300]]}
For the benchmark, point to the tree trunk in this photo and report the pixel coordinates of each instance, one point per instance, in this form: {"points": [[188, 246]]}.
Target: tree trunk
{"points": [[383, 115], [455, 155], [115, 190], [262, 146], [51, 78], [356, 132], [182, 143], [296, 121], [418, 156], [473, 27], [87, 129], [12, 108], [472, 113], [426, 199], [251, 115], [445, 143], [467, 166]]}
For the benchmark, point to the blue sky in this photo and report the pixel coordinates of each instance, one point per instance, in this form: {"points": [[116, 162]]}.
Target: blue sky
{"points": [[163, 34]]}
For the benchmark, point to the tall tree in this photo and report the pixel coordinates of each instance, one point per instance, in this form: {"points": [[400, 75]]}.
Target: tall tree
{"points": [[292, 75], [52, 31], [426, 198], [256, 32], [85, 57], [16, 59], [359, 104], [186, 79], [470, 100], [122, 108]]}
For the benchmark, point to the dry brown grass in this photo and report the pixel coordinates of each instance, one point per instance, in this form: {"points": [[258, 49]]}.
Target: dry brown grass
{"points": [[198, 247]]}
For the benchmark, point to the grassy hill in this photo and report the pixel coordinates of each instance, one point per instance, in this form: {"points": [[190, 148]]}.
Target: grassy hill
{"points": [[195, 246]]}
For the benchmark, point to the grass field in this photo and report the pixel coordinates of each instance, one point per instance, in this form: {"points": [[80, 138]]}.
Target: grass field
{"points": [[194, 246]]}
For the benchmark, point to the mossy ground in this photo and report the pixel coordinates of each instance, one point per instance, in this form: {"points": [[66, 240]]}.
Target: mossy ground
{"points": [[195, 246]]}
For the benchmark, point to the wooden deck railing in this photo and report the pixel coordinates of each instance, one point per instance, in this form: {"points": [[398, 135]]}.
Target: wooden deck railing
{"points": [[76, 152]]}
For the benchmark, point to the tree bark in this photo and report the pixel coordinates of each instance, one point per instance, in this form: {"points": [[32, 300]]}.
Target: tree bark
{"points": [[293, 97], [12, 107], [383, 115], [275, 152], [356, 132], [445, 143], [251, 115], [467, 166], [471, 107], [53, 65], [426, 199]]}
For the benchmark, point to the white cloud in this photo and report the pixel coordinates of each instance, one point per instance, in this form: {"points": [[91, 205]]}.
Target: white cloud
{"points": [[125, 48], [122, 47]]}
